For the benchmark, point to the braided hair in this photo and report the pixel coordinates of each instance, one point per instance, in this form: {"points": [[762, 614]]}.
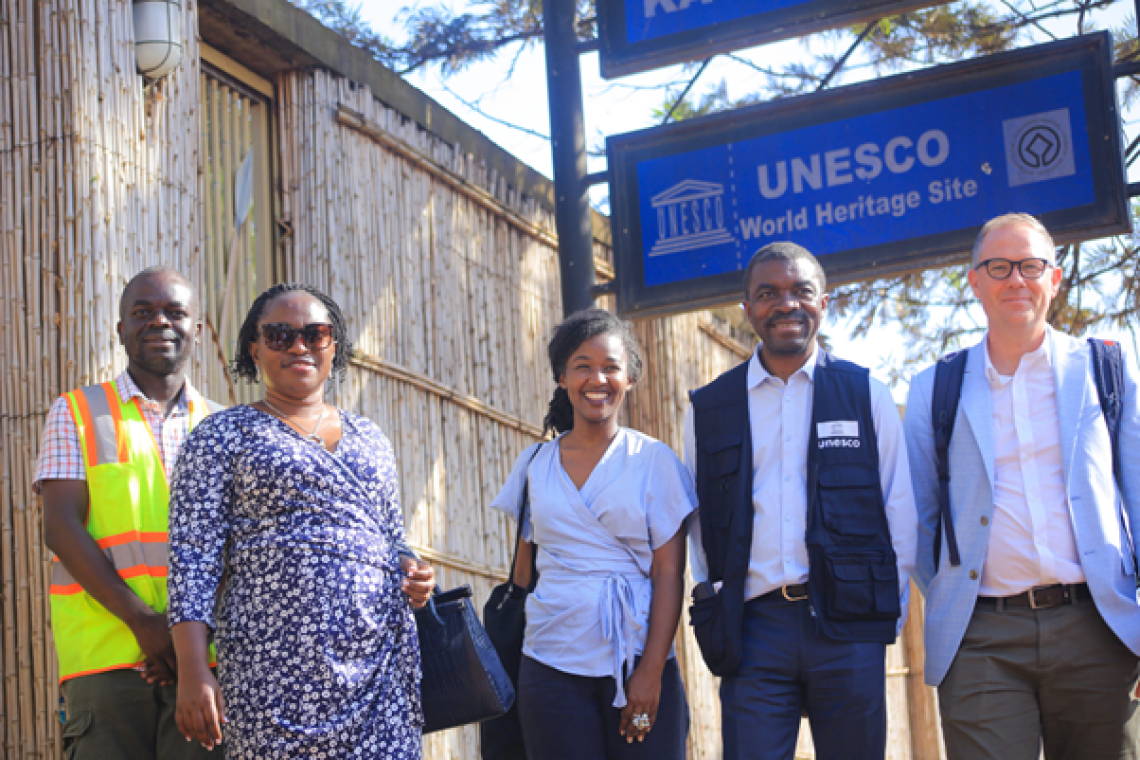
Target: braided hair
{"points": [[578, 328], [243, 365]]}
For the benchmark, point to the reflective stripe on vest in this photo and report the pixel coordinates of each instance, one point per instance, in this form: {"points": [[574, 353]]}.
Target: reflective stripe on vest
{"points": [[127, 516], [132, 554]]}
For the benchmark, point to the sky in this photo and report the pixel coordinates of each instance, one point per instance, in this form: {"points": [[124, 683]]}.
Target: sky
{"points": [[506, 100]]}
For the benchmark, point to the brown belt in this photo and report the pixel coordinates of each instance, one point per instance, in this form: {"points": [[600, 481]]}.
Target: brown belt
{"points": [[796, 592], [1042, 597]]}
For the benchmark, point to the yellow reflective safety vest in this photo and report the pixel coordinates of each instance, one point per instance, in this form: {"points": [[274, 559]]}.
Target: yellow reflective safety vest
{"points": [[128, 517]]}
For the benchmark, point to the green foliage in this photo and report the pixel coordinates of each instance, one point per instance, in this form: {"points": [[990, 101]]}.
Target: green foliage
{"points": [[715, 99], [943, 33]]}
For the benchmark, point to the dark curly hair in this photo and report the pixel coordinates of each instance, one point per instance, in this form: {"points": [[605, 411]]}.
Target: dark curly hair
{"points": [[578, 328], [781, 250], [243, 365]]}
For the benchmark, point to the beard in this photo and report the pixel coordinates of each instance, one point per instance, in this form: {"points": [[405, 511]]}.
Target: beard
{"points": [[789, 346], [162, 363]]}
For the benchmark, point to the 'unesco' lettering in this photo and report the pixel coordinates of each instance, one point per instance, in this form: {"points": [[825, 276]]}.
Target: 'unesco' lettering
{"points": [[839, 443], [898, 156]]}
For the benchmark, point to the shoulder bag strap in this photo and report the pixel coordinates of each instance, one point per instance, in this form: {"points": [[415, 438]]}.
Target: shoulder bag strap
{"points": [[1108, 372], [948, 374], [523, 509]]}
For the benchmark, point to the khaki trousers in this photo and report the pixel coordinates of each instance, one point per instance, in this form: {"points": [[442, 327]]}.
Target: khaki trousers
{"points": [[1025, 679]]}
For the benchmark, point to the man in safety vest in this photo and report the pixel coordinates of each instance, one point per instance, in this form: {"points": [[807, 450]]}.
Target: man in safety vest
{"points": [[105, 461]]}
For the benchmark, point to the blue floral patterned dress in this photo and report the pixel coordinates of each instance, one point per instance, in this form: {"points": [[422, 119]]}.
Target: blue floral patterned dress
{"points": [[317, 649]]}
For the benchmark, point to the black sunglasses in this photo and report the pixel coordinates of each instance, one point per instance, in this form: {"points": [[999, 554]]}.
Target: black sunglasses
{"points": [[279, 336], [1001, 269]]}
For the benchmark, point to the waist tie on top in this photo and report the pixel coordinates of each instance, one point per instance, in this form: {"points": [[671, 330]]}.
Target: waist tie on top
{"points": [[618, 613]]}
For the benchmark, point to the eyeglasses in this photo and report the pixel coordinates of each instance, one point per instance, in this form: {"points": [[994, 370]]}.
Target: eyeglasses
{"points": [[1001, 269], [280, 336]]}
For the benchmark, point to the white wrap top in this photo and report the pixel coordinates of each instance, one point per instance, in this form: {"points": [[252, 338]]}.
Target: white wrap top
{"points": [[589, 614]]}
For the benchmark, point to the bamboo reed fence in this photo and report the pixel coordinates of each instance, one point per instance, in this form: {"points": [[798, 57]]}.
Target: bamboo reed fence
{"points": [[448, 277], [99, 178]]}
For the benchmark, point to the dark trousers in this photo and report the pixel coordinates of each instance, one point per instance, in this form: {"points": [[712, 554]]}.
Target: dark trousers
{"points": [[118, 716], [1025, 680], [789, 668], [568, 717]]}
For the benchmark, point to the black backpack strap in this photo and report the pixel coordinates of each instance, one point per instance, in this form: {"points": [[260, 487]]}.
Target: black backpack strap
{"points": [[948, 374], [1108, 372]]}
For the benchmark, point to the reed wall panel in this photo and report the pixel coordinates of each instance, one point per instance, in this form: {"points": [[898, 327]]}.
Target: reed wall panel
{"points": [[98, 179], [434, 285]]}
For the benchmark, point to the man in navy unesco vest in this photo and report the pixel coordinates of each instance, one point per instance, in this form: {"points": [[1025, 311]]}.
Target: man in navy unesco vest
{"points": [[805, 537], [1032, 622]]}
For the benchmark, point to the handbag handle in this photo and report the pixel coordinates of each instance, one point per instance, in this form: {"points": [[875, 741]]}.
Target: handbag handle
{"points": [[522, 518], [429, 608], [443, 597]]}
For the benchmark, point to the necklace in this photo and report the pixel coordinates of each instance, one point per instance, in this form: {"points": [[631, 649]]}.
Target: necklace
{"points": [[311, 436]]}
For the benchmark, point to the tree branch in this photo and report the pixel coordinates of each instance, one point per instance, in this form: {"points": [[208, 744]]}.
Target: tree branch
{"points": [[752, 65], [495, 119], [843, 59], [1013, 9], [681, 98], [420, 58]]}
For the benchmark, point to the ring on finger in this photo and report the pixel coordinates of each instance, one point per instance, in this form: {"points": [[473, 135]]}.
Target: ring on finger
{"points": [[641, 721]]}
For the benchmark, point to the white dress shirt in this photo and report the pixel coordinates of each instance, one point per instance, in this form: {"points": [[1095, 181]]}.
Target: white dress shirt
{"points": [[780, 417], [1031, 538]]}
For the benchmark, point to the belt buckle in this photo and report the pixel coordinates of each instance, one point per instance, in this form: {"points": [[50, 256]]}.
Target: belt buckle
{"points": [[1066, 596], [784, 591]]}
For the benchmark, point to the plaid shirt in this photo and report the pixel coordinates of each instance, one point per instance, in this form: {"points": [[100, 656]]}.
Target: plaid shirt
{"points": [[61, 457]]}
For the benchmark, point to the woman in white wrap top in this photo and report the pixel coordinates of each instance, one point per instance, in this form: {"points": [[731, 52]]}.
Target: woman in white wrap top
{"points": [[605, 546]]}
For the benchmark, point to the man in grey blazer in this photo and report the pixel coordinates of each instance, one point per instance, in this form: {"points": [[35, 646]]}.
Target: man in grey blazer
{"points": [[1033, 638]]}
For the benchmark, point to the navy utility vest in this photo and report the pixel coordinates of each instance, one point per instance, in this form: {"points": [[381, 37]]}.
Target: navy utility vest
{"points": [[853, 571], [853, 576]]}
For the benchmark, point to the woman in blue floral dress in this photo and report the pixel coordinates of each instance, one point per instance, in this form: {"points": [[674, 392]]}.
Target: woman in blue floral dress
{"points": [[295, 504]]}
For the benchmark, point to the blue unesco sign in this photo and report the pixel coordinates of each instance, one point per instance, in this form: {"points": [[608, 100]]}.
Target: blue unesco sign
{"points": [[875, 179], [638, 35]]}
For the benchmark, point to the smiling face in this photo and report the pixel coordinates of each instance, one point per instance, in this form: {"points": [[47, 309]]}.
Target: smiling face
{"points": [[596, 379], [298, 371], [1015, 304], [785, 306], [158, 323]]}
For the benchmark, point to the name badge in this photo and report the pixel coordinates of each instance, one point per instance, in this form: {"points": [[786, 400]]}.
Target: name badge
{"points": [[837, 429]]}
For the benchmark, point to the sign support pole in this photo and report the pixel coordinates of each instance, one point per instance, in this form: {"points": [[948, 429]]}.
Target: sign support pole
{"points": [[568, 139]]}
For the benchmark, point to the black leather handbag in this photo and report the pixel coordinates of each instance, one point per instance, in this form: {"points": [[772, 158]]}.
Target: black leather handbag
{"points": [[463, 680], [504, 615]]}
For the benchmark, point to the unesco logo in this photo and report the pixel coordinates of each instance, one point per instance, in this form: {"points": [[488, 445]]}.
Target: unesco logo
{"points": [[1039, 147]]}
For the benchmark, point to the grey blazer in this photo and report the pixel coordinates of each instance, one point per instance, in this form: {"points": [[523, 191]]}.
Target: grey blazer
{"points": [[1100, 511]]}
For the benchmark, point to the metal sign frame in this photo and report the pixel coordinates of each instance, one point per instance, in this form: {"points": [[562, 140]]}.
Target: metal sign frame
{"points": [[619, 57], [1091, 55]]}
